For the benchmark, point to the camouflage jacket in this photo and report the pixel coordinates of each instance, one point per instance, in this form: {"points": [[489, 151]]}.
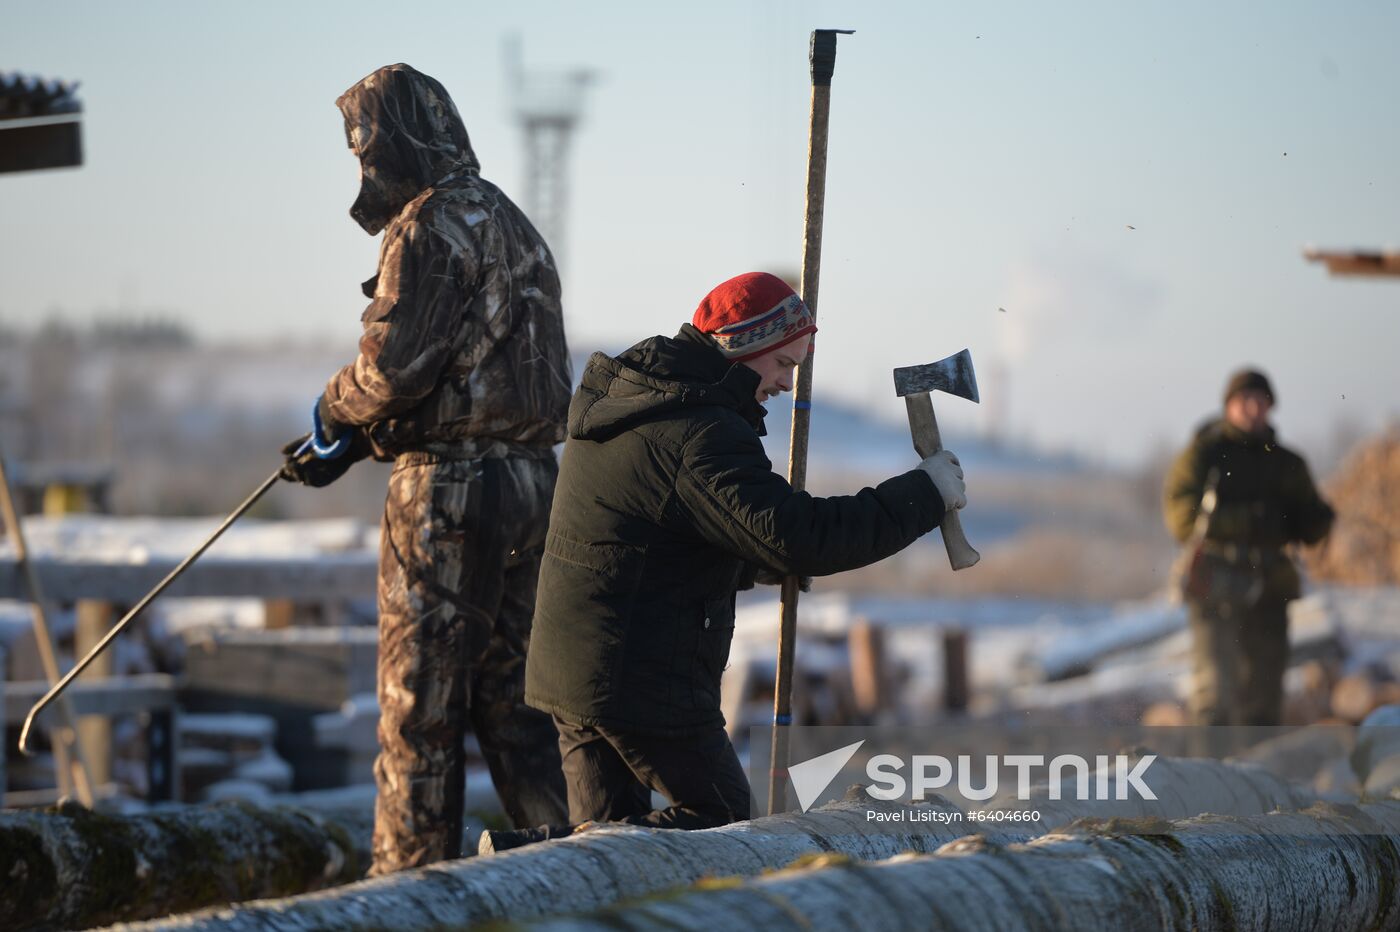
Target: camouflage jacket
{"points": [[463, 350]]}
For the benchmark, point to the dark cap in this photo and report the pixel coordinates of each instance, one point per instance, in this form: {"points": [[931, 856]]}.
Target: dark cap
{"points": [[1247, 380]]}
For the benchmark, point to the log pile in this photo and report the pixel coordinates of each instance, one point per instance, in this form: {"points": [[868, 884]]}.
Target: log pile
{"points": [[590, 870], [595, 869], [1364, 547], [1327, 867], [1279, 860]]}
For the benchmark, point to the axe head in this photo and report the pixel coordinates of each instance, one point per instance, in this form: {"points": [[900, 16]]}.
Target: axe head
{"points": [[953, 375]]}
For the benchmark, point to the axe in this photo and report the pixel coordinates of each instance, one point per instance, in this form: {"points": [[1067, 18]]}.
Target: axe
{"points": [[914, 384]]}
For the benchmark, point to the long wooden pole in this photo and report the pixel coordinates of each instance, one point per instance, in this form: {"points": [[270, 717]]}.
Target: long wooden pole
{"points": [[823, 65], [74, 775]]}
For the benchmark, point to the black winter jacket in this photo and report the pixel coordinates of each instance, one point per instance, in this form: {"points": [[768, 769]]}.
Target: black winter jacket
{"points": [[665, 497]]}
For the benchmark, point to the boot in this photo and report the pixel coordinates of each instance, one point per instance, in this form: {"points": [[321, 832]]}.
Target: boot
{"points": [[492, 841]]}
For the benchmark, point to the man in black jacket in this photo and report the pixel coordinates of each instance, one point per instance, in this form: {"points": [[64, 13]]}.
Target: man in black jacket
{"points": [[666, 505]]}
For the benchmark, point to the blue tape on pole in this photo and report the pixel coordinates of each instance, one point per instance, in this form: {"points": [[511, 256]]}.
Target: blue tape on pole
{"points": [[802, 405], [782, 719]]}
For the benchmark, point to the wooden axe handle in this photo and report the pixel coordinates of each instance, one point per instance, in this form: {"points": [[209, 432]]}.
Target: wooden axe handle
{"points": [[927, 441]]}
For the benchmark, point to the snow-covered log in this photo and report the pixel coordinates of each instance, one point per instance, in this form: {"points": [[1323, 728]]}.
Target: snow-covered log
{"points": [[1377, 756], [1300, 754], [1327, 867], [72, 868], [609, 864], [587, 871], [1184, 787], [1080, 652]]}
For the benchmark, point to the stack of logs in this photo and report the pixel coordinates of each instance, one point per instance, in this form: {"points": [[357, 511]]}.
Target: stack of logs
{"points": [[1282, 860]]}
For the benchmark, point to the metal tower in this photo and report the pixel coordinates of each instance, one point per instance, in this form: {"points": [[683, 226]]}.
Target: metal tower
{"points": [[548, 105]]}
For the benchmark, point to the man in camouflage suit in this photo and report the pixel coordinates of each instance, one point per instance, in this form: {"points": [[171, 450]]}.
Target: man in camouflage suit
{"points": [[463, 381], [1235, 497]]}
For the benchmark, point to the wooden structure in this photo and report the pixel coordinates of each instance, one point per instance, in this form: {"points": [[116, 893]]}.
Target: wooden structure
{"points": [[40, 124], [1356, 262], [97, 584]]}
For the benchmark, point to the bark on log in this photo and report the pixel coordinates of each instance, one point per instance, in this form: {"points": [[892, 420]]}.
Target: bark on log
{"points": [[1271, 872], [597, 868], [72, 868], [585, 871]]}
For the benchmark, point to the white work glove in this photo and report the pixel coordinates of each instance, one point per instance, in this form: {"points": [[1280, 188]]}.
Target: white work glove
{"points": [[942, 467]]}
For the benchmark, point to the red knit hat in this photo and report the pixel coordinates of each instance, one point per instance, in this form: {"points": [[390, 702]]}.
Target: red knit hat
{"points": [[752, 314]]}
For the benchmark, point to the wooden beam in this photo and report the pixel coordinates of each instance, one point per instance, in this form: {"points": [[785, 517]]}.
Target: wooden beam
{"points": [[145, 692], [307, 579], [1361, 262]]}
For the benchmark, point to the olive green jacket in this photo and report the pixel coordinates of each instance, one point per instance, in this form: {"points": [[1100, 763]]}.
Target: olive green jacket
{"points": [[1265, 499]]}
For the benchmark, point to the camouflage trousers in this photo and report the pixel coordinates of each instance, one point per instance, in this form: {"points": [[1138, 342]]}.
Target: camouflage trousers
{"points": [[1239, 654], [459, 558]]}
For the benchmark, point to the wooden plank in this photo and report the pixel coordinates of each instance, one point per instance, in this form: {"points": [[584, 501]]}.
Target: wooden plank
{"points": [[340, 576], [127, 695]]}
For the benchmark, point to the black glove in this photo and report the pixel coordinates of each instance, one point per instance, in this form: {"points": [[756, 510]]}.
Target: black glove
{"points": [[309, 469], [769, 578]]}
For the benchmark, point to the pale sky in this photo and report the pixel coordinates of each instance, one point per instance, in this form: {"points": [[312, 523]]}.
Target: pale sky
{"points": [[1133, 185]]}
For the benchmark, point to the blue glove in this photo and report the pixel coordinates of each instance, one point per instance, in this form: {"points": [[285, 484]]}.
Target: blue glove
{"points": [[329, 440]]}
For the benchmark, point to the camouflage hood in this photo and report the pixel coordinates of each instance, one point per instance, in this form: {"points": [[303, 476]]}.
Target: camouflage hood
{"points": [[408, 136]]}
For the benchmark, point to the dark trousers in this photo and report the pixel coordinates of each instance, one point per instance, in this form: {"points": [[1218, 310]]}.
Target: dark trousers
{"points": [[459, 556], [611, 776]]}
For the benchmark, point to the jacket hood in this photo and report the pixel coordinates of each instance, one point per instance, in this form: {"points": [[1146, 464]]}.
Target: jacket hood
{"points": [[659, 376], [406, 132]]}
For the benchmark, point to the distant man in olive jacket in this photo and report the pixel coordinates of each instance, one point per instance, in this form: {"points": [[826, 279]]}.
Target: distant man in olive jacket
{"points": [[1235, 497], [666, 505]]}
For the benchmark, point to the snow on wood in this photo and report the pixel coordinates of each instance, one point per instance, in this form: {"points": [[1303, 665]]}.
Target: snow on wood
{"points": [[585, 871], [307, 577], [72, 868], [120, 559], [110, 539], [1077, 654], [1327, 867]]}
